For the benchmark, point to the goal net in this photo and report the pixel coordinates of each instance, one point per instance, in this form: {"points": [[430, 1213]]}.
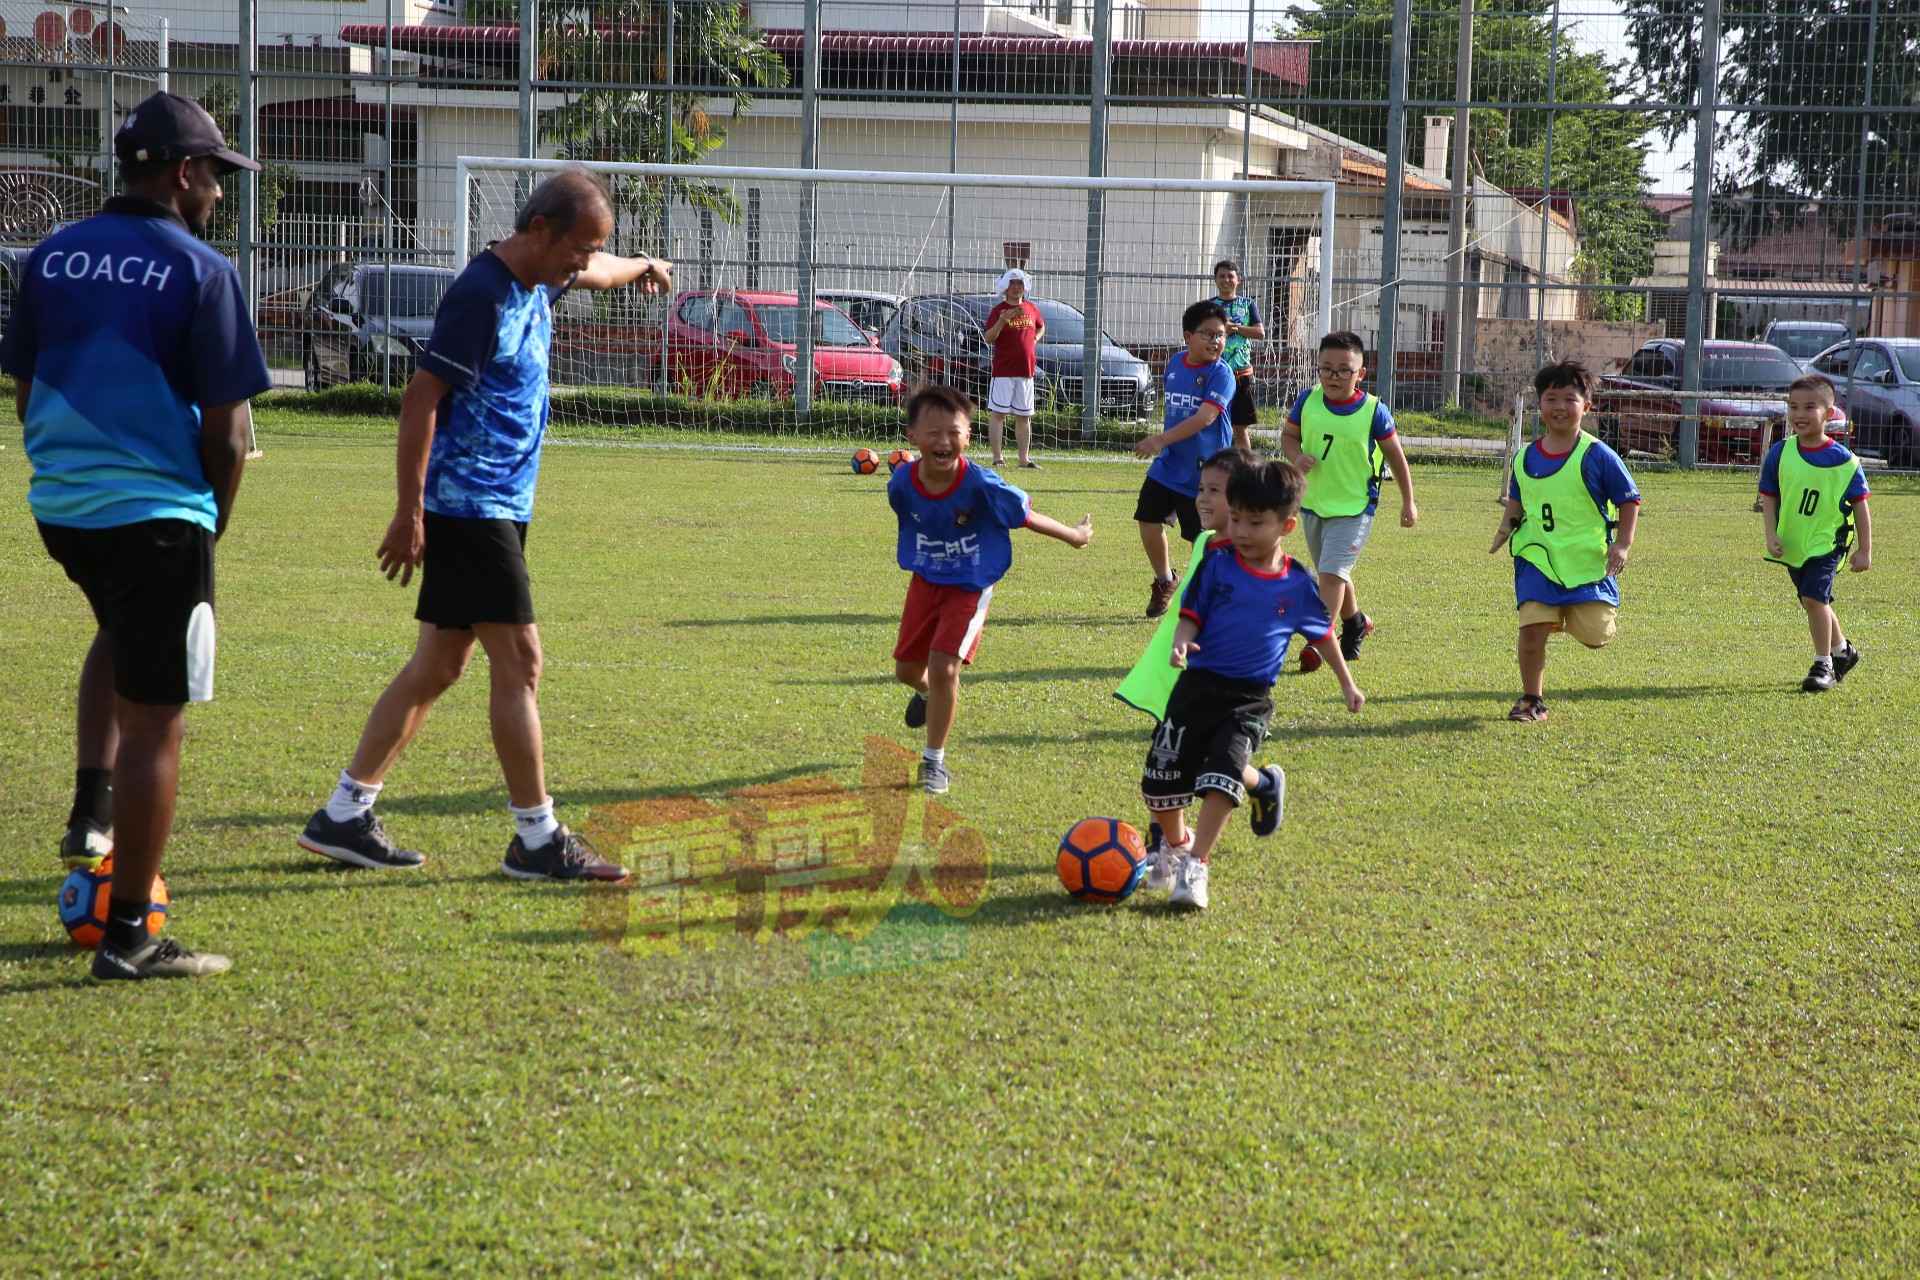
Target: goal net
{"points": [[901, 269]]}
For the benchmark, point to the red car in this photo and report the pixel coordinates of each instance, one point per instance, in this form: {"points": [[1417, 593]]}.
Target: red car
{"points": [[728, 345], [1743, 407]]}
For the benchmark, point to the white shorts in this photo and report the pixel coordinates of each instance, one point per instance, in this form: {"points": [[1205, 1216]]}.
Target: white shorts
{"points": [[1011, 395]]}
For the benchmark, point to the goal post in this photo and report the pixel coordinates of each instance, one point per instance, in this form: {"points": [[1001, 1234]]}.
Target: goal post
{"points": [[902, 266]]}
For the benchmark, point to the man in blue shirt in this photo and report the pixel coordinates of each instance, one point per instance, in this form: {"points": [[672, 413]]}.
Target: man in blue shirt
{"points": [[1199, 389], [133, 362], [471, 425]]}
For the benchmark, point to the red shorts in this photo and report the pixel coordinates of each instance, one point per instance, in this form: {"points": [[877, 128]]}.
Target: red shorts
{"points": [[949, 619]]}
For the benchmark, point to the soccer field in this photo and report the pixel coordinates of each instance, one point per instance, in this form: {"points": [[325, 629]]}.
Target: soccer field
{"points": [[1631, 992]]}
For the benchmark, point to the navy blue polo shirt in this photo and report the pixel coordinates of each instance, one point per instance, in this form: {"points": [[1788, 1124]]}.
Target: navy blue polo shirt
{"points": [[128, 326]]}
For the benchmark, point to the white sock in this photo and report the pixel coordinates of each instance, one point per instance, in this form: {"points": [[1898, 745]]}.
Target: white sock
{"points": [[935, 755], [1163, 577], [1823, 657], [536, 825], [352, 799]]}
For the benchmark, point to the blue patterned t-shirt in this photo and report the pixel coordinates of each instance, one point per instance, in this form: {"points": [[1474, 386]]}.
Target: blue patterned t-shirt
{"points": [[490, 343]]}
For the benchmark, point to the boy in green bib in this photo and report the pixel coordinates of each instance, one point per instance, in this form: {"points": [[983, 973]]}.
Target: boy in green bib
{"points": [[1571, 514], [1813, 500], [1339, 436]]}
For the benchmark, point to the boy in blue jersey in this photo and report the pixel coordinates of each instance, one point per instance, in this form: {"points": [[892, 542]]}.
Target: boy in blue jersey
{"points": [[133, 362], [1237, 617], [1568, 545], [1338, 435], [471, 425], [954, 523], [1826, 492], [1199, 390]]}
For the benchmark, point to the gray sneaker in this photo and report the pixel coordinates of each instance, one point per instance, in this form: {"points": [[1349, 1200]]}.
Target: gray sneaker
{"points": [[1163, 865], [154, 958], [934, 778], [358, 842], [565, 857]]}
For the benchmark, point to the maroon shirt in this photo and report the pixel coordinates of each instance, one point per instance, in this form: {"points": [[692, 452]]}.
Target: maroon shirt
{"points": [[1013, 350]]}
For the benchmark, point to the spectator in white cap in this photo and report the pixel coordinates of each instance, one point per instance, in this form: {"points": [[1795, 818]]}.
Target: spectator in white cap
{"points": [[1014, 327]]}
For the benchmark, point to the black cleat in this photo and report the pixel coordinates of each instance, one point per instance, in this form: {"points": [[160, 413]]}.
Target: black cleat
{"points": [[1844, 661], [916, 716], [565, 857], [1820, 677], [86, 845], [358, 842], [1352, 631], [154, 958]]}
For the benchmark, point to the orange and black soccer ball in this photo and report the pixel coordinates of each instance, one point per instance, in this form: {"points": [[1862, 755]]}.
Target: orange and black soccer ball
{"points": [[1101, 860], [898, 459], [865, 462], [83, 904]]}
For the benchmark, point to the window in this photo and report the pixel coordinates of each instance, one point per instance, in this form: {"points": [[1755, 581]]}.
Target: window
{"points": [[1836, 364], [733, 317], [830, 327], [1872, 365], [1909, 362], [697, 313]]}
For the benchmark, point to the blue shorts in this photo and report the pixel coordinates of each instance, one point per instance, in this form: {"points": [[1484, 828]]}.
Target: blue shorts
{"points": [[1814, 579]]}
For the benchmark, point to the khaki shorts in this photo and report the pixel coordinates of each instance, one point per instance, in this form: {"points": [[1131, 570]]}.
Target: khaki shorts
{"points": [[1590, 623]]}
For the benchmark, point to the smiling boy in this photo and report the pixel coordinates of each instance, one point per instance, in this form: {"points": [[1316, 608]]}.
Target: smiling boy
{"points": [[1199, 389], [954, 524]]}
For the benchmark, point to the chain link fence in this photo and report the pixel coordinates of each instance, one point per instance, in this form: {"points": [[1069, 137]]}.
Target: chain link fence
{"points": [[1697, 198]]}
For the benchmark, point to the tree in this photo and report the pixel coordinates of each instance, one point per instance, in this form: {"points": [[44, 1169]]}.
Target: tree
{"points": [[222, 102], [1598, 156], [1813, 56], [718, 52]]}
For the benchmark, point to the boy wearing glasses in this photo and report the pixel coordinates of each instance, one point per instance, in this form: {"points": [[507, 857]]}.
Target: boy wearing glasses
{"points": [[1338, 435], [1199, 389]]}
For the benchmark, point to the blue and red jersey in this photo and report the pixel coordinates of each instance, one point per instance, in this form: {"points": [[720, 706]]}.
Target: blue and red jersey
{"points": [[959, 538], [1247, 618], [1188, 387]]}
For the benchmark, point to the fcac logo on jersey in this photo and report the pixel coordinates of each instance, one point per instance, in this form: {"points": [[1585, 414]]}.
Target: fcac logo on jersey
{"points": [[788, 882]]}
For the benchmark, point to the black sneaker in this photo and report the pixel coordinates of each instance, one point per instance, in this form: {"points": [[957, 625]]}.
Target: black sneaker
{"points": [[1820, 677], [154, 958], [565, 857], [916, 716], [1529, 710], [1352, 631], [1265, 809], [358, 842], [86, 845], [1844, 661]]}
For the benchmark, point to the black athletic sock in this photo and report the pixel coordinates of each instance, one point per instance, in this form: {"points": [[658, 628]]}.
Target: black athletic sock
{"points": [[92, 797], [127, 922]]}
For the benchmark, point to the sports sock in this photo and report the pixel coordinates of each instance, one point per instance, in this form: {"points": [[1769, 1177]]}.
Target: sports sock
{"points": [[92, 797], [1264, 787], [1823, 657], [352, 799], [536, 824], [935, 755], [1163, 577], [127, 922]]}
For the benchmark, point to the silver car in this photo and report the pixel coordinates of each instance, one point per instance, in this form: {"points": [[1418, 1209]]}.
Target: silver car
{"points": [[1877, 383]]}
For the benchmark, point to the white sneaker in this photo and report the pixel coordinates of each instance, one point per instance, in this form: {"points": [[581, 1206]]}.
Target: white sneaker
{"points": [[1163, 864], [1190, 885]]}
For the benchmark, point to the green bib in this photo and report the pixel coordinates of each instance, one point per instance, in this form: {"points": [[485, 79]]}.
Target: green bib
{"points": [[1341, 482], [1562, 531], [1150, 683], [1814, 518]]}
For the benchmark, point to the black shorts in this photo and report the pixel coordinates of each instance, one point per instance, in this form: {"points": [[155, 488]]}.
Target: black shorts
{"points": [[1814, 579], [1214, 725], [151, 588], [1161, 505], [1243, 412], [474, 571]]}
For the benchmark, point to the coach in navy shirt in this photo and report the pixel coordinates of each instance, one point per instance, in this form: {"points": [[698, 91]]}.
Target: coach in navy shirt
{"points": [[471, 426], [133, 361]]}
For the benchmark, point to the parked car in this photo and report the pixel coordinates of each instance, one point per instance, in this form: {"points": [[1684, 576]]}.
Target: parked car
{"points": [[1744, 409], [349, 333], [873, 312], [1804, 339], [942, 338], [731, 345], [13, 260], [1877, 381]]}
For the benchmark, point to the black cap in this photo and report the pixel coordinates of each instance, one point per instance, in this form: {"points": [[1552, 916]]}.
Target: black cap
{"points": [[170, 127]]}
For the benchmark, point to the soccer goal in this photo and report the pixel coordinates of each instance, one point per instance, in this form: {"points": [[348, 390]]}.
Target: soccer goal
{"points": [[901, 269]]}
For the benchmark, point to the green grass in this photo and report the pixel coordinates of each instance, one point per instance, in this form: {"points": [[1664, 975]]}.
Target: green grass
{"points": [[1629, 993]]}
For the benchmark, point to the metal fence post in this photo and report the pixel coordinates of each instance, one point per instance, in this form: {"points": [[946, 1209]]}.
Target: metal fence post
{"points": [[1096, 216], [1546, 190], [245, 183], [809, 159], [1453, 347], [1706, 99], [1390, 211]]}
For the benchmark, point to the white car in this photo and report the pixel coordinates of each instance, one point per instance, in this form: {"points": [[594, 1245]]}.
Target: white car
{"points": [[871, 311]]}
